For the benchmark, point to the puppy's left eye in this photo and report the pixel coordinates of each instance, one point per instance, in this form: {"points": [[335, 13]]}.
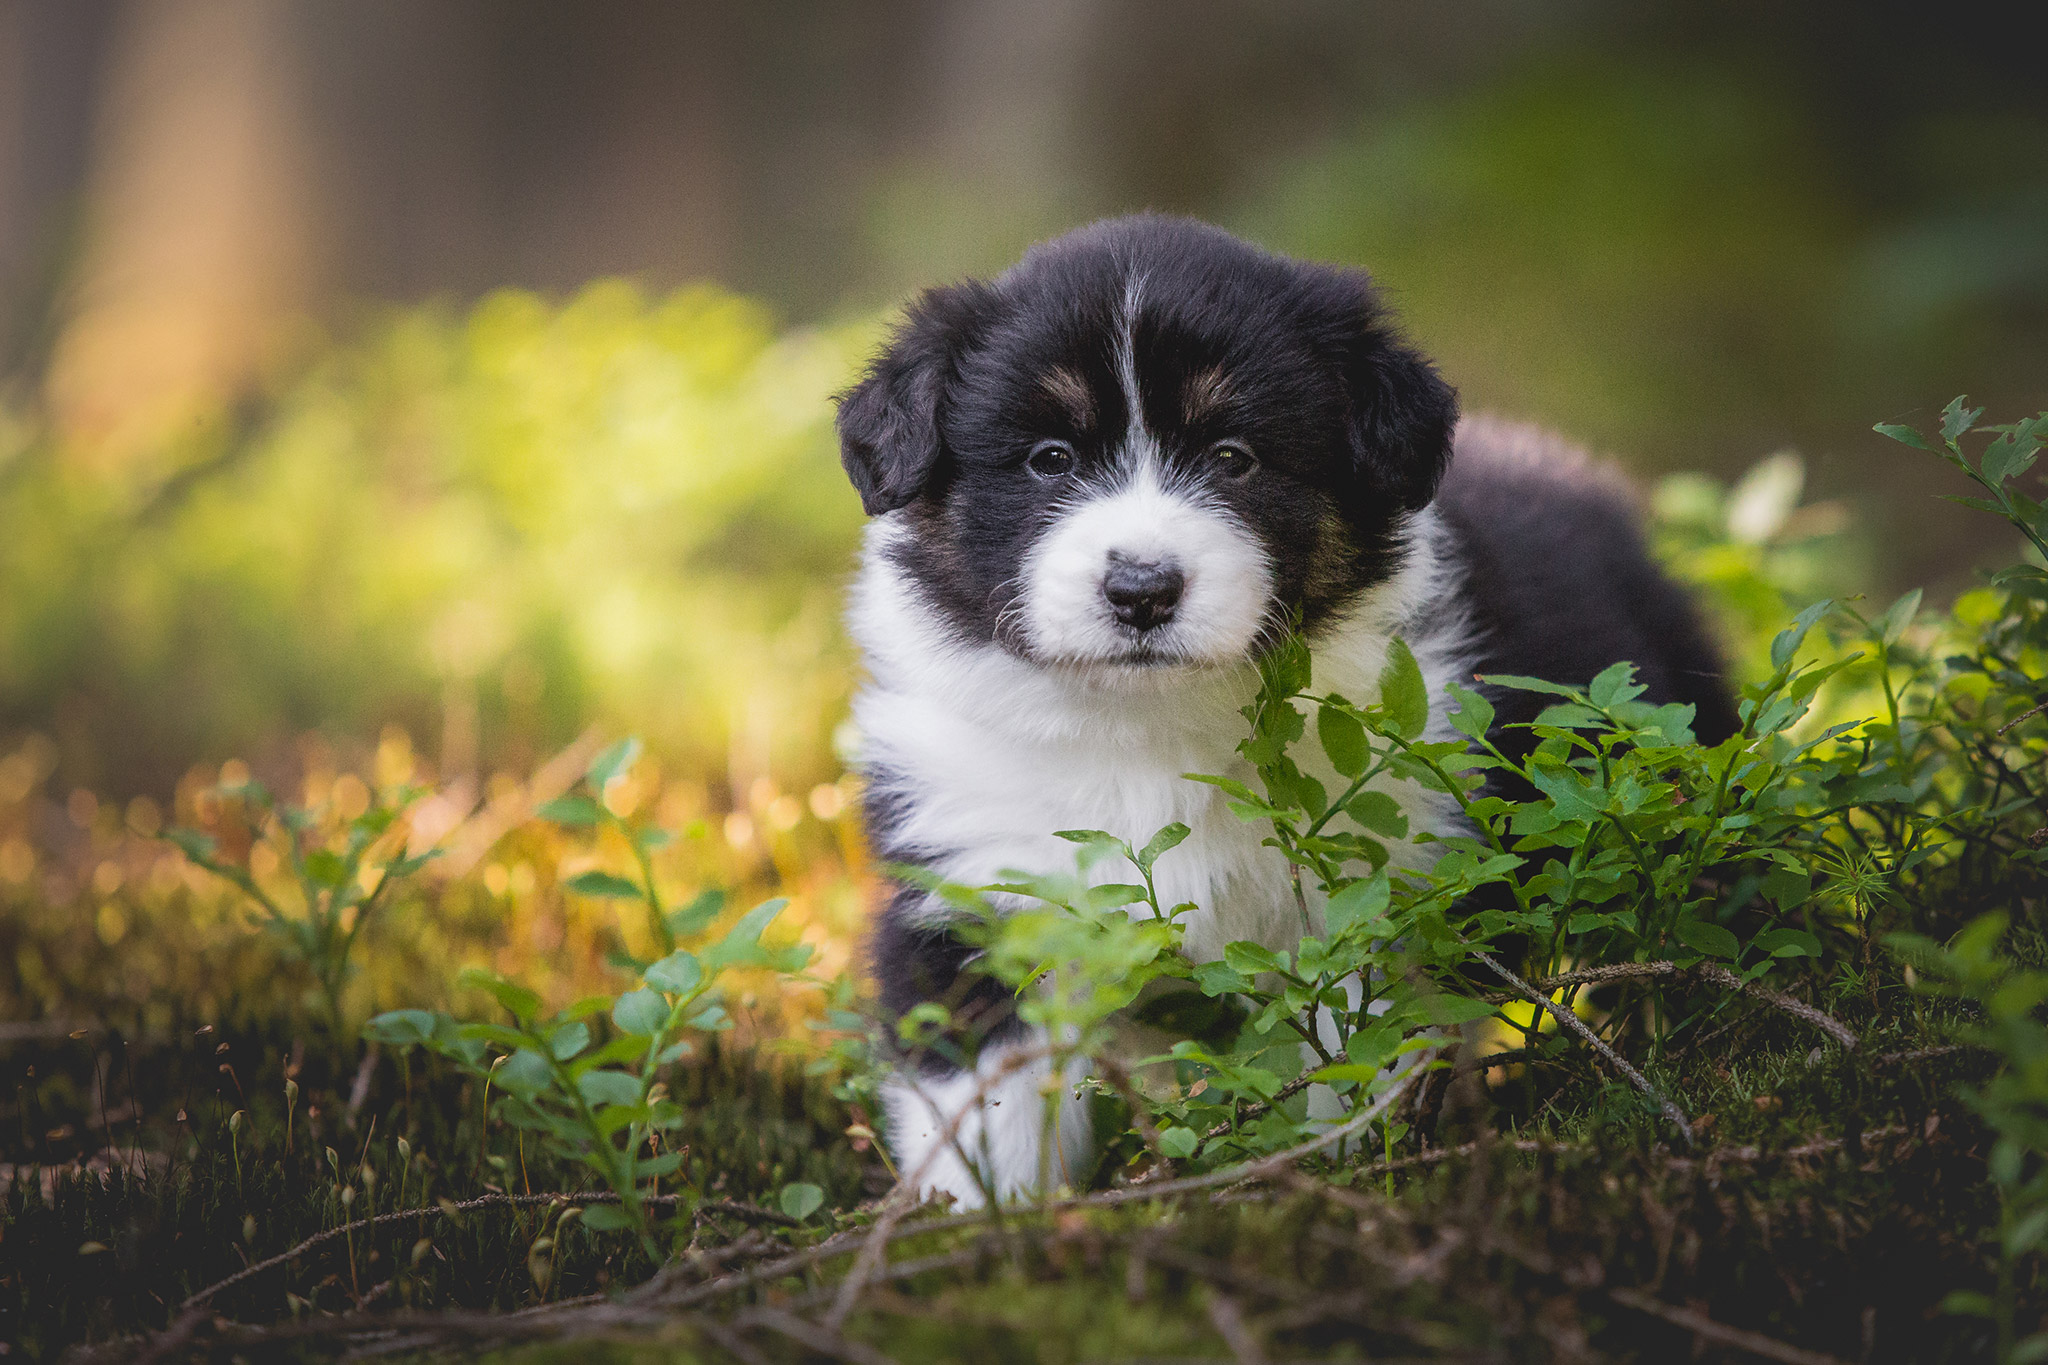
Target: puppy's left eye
{"points": [[1231, 460]]}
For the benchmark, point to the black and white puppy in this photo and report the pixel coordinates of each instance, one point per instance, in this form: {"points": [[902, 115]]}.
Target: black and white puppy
{"points": [[1103, 482]]}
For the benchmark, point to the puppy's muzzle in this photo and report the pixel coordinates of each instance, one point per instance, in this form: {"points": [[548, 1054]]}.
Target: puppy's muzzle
{"points": [[1142, 594]]}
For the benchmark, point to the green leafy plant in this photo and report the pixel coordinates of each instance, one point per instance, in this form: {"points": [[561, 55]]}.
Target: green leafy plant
{"points": [[1963, 719], [601, 1103], [342, 878], [1608, 838], [587, 809], [2006, 999]]}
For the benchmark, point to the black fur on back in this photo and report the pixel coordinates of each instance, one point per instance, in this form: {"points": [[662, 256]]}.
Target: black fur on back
{"points": [[1558, 583]]}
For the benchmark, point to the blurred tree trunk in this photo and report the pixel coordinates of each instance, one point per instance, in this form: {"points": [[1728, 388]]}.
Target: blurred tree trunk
{"points": [[200, 240]]}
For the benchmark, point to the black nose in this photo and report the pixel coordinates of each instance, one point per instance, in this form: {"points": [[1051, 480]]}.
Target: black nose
{"points": [[1142, 594]]}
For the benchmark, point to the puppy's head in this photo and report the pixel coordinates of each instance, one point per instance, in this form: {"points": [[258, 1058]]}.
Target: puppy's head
{"points": [[1147, 444]]}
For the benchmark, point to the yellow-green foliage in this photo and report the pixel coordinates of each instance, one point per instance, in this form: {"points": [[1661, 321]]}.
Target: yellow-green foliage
{"points": [[614, 509], [481, 535]]}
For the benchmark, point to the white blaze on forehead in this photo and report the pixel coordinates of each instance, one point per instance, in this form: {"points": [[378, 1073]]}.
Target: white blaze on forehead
{"points": [[1138, 514], [1137, 440]]}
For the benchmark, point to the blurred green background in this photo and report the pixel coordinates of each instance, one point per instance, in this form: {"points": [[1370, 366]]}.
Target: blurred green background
{"points": [[462, 370]]}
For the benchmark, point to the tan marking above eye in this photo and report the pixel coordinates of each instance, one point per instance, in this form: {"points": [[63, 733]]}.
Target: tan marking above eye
{"points": [[1206, 390], [1072, 393]]}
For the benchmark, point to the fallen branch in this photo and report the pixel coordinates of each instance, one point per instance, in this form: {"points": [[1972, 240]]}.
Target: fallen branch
{"points": [[1923, 1054], [1257, 1169], [904, 1197], [2021, 718], [1613, 971], [826, 1341], [1228, 1320], [488, 1201], [1826, 1023], [1520, 1056], [1252, 1111], [1709, 972], [1699, 1324], [661, 1303], [1570, 1020]]}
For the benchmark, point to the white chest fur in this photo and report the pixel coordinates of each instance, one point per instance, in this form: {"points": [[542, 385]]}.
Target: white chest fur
{"points": [[992, 754]]}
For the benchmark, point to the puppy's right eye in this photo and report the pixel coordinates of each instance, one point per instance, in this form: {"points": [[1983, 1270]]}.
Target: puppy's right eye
{"points": [[1050, 460]]}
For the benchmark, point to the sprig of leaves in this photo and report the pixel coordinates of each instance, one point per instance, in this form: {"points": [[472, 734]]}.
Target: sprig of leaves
{"points": [[341, 879], [589, 809], [600, 1103]]}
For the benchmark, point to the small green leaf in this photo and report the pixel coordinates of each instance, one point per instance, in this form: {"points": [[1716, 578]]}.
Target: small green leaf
{"points": [[1613, 684], [1787, 942], [324, 867], [1456, 1009], [643, 1013], [1343, 739], [800, 1200], [520, 1002], [1178, 1142], [401, 1028], [710, 1018], [668, 1163], [1218, 978], [1474, 716], [1788, 887], [574, 811], [1110, 895], [1248, 957], [1403, 691], [1284, 669], [1378, 812], [1904, 435], [1359, 903], [525, 1073], [1957, 419], [604, 885], [1789, 639], [1899, 615], [679, 973], [605, 1218], [2017, 573], [1706, 937], [197, 845], [611, 763], [1168, 837], [602, 1087], [741, 945], [703, 908], [2009, 456], [566, 1040], [1519, 683]]}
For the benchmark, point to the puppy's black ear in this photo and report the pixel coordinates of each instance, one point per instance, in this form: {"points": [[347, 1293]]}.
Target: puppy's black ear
{"points": [[889, 437], [1402, 414]]}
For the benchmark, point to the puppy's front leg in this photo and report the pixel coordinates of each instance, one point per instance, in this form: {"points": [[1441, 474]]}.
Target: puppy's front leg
{"points": [[970, 1134], [967, 1109]]}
